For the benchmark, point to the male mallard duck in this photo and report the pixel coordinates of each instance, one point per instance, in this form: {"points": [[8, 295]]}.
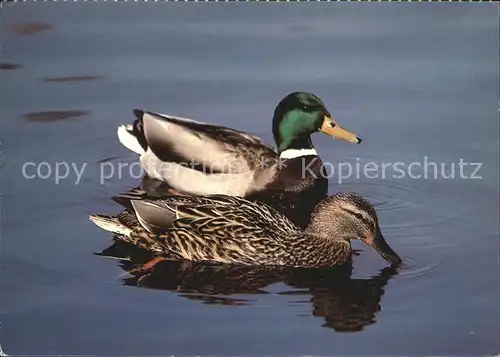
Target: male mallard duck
{"points": [[234, 230], [203, 159]]}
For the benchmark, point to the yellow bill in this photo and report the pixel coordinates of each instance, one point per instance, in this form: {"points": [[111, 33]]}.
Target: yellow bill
{"points": [[330, 127]]}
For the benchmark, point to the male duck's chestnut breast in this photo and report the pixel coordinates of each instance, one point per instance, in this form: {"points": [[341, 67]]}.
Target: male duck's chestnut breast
{"points": [[302, 173]]}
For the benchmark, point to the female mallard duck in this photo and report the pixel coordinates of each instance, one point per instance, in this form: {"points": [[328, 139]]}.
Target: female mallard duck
{"points": [[203, 159], [234, 230]]}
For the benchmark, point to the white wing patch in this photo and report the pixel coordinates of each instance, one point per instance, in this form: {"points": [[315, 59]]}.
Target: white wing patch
{"points": [[185, 179]]}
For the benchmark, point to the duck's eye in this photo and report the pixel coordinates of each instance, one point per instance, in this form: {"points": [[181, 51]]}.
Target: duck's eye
{"points": [[364, 220], [359, 216], [309, 108]]}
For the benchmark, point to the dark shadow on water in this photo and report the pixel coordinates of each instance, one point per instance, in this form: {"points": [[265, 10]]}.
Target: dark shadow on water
{"points": [[53, 115], [30, 28], [9, 66], [107, 159], [345, 304], [71, 79]]}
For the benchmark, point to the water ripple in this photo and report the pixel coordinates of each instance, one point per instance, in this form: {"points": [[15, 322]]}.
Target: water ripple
{"points": [[405, 203], [390, 196], [412, 268]]}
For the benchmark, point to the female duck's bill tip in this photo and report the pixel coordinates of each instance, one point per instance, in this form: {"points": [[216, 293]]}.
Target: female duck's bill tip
{"points": [[382, 248], [393, 258], [358, 140]]}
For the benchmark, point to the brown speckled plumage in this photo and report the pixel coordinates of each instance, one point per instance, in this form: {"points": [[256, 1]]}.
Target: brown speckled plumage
{"points": [[235, 230]]}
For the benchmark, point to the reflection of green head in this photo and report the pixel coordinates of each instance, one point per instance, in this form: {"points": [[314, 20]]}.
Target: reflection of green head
{"points": [[296, 117]]}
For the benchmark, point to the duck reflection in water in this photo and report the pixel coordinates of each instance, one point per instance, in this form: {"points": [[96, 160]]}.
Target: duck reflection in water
{"points": [[345, 304]]}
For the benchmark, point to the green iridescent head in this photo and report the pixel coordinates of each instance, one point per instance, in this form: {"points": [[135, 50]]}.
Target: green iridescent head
{"points": [[301, 114]]}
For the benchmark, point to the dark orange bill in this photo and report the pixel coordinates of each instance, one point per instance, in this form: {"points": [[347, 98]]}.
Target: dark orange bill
{"points": [[380, 245]]}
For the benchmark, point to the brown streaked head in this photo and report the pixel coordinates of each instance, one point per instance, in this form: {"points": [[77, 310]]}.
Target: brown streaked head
{"points": [[347, 215]]}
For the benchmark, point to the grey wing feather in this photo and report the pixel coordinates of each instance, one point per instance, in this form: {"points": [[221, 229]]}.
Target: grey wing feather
{"points": [[219, 149]]}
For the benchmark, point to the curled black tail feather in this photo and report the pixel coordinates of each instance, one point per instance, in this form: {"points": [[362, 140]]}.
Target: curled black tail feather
{"points": [[138, 113], [138, 129]]}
